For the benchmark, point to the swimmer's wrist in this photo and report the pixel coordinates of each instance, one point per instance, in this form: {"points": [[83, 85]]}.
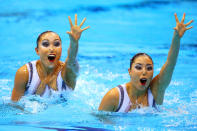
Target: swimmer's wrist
{"points": [[73, 40], [71, 62], [176, 34]]}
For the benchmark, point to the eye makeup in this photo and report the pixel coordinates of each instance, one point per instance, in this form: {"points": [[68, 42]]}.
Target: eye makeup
{"points": [[138, 66], [45, 43], [149, 67], [57, 43]]}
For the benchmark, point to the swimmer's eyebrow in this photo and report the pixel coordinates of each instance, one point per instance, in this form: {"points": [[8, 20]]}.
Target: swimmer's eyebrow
{"points": [[148, 64], [138, 64], [45, 40], [57, 40]]}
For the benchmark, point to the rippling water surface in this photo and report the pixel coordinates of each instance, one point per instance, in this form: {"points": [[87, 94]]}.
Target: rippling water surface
{"points": [[119, 29]]}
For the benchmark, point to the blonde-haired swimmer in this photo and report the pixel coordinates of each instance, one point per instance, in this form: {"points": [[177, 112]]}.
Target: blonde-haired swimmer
{"points": [[143, 90], [48, 74]]}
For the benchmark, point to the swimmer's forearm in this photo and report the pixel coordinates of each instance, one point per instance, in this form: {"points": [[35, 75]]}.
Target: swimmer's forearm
{"points": [[178, 33], [71, 69], [71, 61], [74, 35], [167, 69], [174, 50], [72, 51], [161, 81]]}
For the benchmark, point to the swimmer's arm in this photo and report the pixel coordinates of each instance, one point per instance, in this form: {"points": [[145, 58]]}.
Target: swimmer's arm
{"points": [[71, 68], [21, 79], [110, 101], [162, 80]]}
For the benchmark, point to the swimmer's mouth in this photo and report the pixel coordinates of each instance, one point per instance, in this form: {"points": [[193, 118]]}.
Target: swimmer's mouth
{"points": [[143, 81], [51, 57]]}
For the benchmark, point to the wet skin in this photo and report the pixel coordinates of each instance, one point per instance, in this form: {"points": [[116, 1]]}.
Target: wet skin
{"points": [[142, 68], [49, 46], [141, 74], [48, 66]]}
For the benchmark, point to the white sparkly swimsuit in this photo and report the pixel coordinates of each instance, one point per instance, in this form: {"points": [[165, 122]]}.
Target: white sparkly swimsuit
{"points": [[34, 82], [124, 100]]}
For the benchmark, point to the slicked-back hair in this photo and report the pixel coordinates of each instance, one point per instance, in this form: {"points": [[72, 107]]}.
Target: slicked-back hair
{"points": [[39, 37], [136, 55]]}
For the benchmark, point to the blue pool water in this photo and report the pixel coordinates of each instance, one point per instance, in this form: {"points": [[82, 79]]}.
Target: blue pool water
{"points": [[119, 29]]}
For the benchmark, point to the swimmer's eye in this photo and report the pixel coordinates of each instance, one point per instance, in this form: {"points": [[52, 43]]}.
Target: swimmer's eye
{"points": [[45, 44], [149, 68], [138, 67], [56, 43]]}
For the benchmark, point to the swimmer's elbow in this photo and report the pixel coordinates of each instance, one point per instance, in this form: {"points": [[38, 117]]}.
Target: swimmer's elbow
{"points": [[15, 97], [159, 100]]}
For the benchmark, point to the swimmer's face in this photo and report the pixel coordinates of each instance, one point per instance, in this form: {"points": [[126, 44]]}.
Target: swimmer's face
{"points": [[49, 49], [141, 72]]}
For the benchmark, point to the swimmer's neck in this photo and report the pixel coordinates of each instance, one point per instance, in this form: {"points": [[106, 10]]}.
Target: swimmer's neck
{"points": [[46, 70], [133, 91]]}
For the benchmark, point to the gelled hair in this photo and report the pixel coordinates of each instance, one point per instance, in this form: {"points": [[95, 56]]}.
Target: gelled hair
{"points": [[136, 55], [39, 37]]}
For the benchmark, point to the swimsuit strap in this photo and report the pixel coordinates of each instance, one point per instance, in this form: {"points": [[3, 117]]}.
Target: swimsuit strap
{"points": [[30, 75], [33, 80], [121, 97], [63, 85], [151, 100], [154, 103]]}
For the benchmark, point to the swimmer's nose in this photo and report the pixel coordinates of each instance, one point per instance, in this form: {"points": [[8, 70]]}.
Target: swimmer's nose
{"points": [[51, 48], [144, 71]]}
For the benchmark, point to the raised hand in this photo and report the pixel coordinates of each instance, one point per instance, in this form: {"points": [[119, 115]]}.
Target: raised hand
{"points": [[76, 30], [180, 26]]}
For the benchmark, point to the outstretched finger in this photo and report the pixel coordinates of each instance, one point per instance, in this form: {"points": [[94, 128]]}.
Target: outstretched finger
{"points": [[75, 19], [70, 21], [175, 28], [189, 23], [85, 28], [176, 18], [183, 19], [189, 28], [82, 22], [68, 32]]}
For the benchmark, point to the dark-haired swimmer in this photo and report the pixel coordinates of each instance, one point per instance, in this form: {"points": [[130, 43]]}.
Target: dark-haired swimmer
{"points": [[144, 90], [48, 74]]}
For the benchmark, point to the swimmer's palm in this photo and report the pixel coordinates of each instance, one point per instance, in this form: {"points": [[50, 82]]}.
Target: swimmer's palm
{"points": [[76, 30], [180, 26]]}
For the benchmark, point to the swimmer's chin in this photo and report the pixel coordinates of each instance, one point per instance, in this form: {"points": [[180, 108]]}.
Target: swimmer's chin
{"points": [[51, 66], [142, 87]]}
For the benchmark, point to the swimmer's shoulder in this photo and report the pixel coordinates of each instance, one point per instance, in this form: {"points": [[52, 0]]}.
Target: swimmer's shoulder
{"points": [[20, 82], [22, 73], [115, 94], [61, 63], [110, 101]]}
